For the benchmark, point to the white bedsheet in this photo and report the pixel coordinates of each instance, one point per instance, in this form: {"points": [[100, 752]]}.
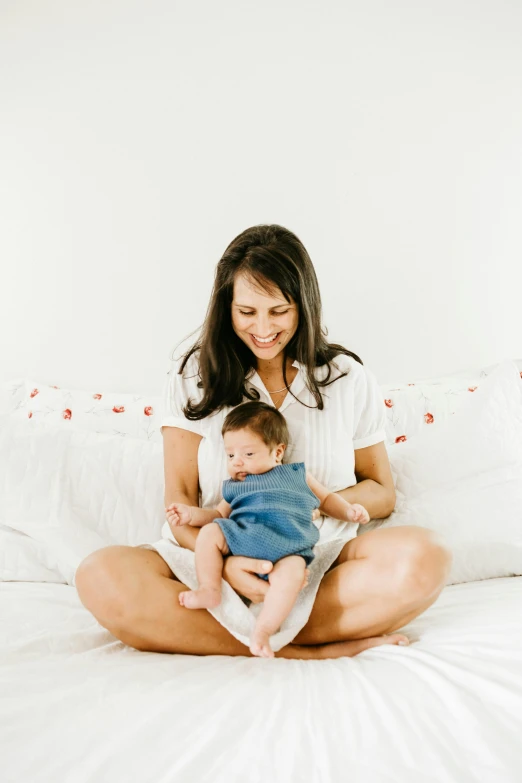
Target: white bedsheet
{"points": [[78, 706]]}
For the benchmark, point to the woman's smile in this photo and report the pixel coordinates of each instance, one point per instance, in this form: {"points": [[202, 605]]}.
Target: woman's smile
{"points": [[265, 343]]}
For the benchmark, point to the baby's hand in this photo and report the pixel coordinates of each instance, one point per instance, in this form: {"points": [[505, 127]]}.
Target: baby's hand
{"points": [[178, 514], [357, 513]]}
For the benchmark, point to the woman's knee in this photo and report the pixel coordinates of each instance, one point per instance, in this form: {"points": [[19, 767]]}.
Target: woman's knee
{"points": [[99, 585], [424, 563], [107, 581]]}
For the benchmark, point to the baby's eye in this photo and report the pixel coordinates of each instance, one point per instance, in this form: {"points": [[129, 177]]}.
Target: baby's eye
{"points": [[250, 454]]}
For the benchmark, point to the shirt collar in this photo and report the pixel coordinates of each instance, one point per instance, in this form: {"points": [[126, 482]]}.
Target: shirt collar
{"points": [[297, 384], [297, 387]]}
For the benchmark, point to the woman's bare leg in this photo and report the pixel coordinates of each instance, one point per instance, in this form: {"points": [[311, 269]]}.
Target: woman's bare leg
{"points": [[381, 581], [286, 580], [211, 545], [133, 593]]}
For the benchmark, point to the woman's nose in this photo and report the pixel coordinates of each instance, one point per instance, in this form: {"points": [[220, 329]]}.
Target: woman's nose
{"points": [[263, 328]]}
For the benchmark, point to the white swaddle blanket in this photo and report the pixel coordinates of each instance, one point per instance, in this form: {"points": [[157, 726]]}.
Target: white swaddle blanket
{"points": [[233, 613]]}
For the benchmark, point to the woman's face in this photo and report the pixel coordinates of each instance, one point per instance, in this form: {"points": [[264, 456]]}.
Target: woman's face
{"points": [[257, 316]]}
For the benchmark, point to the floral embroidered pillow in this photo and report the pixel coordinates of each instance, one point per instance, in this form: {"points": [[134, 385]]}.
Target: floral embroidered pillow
{"points": [[127, 415], [409, 406], [412, 406]]}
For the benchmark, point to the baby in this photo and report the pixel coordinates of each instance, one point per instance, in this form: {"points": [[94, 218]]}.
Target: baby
{"points": [[266, 513]]}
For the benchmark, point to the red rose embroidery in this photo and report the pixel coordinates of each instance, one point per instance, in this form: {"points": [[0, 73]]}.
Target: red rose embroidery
{"points": [[411, 384], [472, 388], [521, 374], [55, 387], [97, 396], [30, 415], [34, 393], [400, 439], [120, 409], [67, 413], [428, 418], [388, 403], [148, 411]]}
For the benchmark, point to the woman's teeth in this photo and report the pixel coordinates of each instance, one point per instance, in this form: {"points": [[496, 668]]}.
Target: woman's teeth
{"points": [[265, 343]]}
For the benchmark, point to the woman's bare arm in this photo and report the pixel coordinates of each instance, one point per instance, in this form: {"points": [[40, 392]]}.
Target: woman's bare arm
{"points": [[180, 458], [374, 489], [331, 504]]}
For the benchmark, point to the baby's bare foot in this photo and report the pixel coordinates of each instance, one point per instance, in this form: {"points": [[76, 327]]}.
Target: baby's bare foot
{"points": [[260, 644], [204, 598]]}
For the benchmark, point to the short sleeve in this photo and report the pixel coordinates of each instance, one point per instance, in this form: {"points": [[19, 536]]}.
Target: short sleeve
{"points": [[177, 391], [369, 424]]}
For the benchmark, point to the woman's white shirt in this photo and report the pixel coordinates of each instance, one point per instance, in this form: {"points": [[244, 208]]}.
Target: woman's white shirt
{"points": [[353, 417]]}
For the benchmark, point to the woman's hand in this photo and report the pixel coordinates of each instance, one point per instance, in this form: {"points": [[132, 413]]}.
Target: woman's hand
{"points": [[240, 573], [178, 514]]}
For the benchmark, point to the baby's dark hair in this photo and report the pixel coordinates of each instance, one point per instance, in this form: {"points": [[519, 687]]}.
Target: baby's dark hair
{"points": [[263, 419]]}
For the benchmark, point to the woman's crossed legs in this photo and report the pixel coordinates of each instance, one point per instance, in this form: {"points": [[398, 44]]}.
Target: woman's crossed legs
{"points": [[381, 581]]}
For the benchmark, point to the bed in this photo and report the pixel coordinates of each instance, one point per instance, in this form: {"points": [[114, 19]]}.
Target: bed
{"points": [[78, 706]]}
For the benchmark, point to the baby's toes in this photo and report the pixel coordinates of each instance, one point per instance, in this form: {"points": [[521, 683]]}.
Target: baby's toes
{"points": [[261, 650], [260, 645], [255, 649], [266, 651]]}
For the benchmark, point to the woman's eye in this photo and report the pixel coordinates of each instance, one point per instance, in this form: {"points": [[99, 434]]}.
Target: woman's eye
{"points": [[243, 313]]}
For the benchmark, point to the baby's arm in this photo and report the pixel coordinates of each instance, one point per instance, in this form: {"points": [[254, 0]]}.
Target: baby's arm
{"points": [[335, 506], [181, 514]]}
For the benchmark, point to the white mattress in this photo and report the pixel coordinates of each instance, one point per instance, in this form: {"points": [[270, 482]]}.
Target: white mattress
{"points": [[77, 705]]}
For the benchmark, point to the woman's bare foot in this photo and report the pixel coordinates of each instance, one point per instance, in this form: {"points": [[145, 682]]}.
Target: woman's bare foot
{"points": [[260, 644], [204, 598], [340, 649]]}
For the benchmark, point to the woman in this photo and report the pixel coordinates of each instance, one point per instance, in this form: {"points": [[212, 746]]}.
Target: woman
{"points": [[262, 339]]}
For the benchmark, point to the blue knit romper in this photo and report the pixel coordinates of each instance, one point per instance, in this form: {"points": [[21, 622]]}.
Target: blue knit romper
{"points": [[271, 515]]}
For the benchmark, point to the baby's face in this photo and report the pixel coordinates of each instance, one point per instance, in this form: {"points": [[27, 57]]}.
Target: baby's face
{"points": [[246, 453]]}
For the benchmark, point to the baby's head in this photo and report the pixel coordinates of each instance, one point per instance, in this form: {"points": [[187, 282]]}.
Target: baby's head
{"points": [[255, 436]]}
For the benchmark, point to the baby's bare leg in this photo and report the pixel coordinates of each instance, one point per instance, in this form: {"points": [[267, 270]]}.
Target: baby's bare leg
{"points": [[286, 580], [210, 548]]}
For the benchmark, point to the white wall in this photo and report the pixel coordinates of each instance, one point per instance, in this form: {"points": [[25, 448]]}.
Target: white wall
{"points": [[138, 138]]}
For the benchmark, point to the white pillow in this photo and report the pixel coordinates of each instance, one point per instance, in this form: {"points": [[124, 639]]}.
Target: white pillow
{"points": [[77, 491], [114, 413], [22, 559], [462, 477], [415, 406]]}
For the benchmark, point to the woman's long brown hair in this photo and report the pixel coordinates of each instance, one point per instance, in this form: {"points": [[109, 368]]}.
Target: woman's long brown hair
{"points": [[273, 258]]}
